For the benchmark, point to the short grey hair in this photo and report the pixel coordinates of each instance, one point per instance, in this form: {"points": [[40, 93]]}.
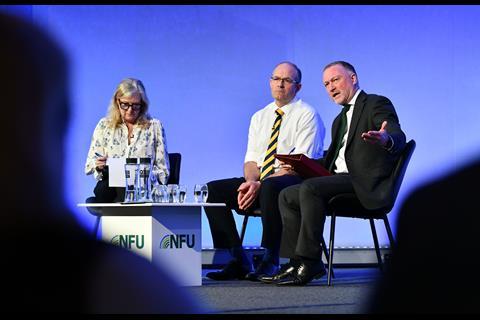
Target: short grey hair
{"points": [[297, 69], [345, 64]]}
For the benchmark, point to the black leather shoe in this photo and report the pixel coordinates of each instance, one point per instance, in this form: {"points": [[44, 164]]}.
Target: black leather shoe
{"points": [[284, 272], [306, 272], [264, 269], [233, 270]]}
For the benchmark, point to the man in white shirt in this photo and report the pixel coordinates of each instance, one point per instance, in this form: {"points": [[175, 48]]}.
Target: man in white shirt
{"points": [[366, 143], [287, 125]]}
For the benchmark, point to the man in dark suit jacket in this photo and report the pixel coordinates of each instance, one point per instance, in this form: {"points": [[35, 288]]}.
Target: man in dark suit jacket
{"points": [[366, 143]]}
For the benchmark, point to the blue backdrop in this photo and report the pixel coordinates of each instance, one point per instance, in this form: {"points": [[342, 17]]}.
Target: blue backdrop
{"points": [[206, 71]]}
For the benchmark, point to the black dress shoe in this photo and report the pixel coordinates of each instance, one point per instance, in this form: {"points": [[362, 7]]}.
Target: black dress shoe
{"points": [[284, 272], [306, 272], [263, 269], [233, 270]]}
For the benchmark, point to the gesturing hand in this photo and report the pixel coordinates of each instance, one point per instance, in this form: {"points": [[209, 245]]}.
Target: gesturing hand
{"points": [[380, 137]]}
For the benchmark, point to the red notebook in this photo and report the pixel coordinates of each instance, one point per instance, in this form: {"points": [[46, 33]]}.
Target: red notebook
{"points": [[305, 166]]}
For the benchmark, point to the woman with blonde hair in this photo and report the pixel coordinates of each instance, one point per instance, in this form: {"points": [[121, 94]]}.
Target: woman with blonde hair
{"points": [[128, 131]]}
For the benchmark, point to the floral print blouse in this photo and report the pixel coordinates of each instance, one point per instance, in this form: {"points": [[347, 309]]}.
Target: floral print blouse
{"points": [[148, 141]]}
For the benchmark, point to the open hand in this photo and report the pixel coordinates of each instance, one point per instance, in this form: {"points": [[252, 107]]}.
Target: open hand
{"points": [[380, 137]]}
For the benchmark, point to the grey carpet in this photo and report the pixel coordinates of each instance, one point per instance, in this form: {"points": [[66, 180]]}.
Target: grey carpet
{"points": [[349, 294]]}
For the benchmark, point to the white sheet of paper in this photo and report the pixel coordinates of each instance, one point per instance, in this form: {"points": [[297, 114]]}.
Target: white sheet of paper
{"points": [[116, 172]]}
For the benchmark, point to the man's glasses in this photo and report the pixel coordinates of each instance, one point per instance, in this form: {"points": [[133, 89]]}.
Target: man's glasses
{"points": [[287, 80], [126, 105]]}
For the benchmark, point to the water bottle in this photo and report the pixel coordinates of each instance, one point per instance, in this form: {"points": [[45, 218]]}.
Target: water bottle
{"points": [[144, 182], [131, 179]]}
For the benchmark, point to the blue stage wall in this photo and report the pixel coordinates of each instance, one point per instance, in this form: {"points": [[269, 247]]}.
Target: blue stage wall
{"points": [[206, 71]]}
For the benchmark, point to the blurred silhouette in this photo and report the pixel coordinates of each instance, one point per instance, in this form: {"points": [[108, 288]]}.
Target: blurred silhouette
{"points": [[49, 262], [434, 265]]}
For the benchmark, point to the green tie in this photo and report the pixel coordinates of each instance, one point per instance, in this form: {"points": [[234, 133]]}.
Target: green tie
{"points": [[342, 129], [267, 167]]}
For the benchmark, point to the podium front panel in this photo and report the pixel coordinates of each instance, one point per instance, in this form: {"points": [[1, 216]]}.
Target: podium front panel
{"points": [[177, 242], [167, 234]]}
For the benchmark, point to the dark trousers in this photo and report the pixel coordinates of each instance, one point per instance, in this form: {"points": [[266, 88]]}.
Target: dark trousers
{"points": [[303, 210], [222, 224]]}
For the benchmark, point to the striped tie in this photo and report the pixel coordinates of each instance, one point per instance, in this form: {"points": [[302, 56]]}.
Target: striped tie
{"points": [[267, 167]]}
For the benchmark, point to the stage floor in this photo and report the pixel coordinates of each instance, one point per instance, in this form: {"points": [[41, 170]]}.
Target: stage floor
{"points": [[349, 294]]}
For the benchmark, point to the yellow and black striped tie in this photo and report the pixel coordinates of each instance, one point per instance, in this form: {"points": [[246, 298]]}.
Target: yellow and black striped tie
{"points": [[267, 167]]}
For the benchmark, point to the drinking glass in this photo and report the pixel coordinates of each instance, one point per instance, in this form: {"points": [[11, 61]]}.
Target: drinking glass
{"points": [[154, 193], [159, 193], [200, 193], [145, 180], [172, 193], [131, 180], [182, 193]]}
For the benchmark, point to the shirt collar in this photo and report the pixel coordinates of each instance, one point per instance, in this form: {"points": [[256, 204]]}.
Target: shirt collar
{"points": [[286, 108], [354, 99]]}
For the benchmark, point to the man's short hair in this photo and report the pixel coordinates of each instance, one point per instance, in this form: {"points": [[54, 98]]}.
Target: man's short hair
{"points": [[299, 72], [345, 64]]}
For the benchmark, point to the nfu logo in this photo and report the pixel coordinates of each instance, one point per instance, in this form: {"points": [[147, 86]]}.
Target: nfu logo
{"points": [[177, 241], [128, 240]]}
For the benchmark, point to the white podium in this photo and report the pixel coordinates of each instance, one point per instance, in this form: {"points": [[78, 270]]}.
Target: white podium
{"points": [[167, 234]]}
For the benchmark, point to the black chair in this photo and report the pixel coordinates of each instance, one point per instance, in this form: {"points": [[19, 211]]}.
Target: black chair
{"points": [[348, 205], [175, 160]]}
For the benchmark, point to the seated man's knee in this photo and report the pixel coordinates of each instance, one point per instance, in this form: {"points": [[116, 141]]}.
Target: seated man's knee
{"points": [[308, 187], [269, 189], [213, 191], [274, 184], [212, 185], [223, 191], [267, 184], [289, 196]]}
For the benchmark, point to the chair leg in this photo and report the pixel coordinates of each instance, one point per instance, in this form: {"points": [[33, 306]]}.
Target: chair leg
{"points": [[244, 228], [330, 249], [375, 241], [325, 252], [389, 232], [95, 228]]}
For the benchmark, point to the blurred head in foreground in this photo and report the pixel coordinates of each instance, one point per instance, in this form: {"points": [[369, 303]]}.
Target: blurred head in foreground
{"points": [[50, 263]]}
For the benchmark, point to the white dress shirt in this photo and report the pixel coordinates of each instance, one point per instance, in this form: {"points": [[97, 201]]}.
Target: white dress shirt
{"points": [[301, 131], [340, 164]]}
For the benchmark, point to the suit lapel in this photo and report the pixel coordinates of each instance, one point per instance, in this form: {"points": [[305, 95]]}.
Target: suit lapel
{"points": [[331, 149], [357, 112], [335, 124]]}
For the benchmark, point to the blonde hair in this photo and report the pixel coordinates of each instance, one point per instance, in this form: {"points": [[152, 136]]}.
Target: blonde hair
{"points": [[127, 88]]}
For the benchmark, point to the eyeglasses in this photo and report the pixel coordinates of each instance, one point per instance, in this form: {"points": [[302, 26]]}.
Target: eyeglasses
{"points": [[126, 105], [287, 80]]}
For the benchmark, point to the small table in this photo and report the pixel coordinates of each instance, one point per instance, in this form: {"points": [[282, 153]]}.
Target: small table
{"points": [[167, 234]]}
